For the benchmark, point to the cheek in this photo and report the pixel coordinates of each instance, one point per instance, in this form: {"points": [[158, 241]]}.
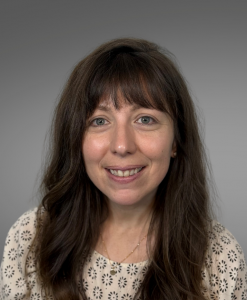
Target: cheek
{"points": [[93, 150], [158, 149], [159, 153], [160, 156]]}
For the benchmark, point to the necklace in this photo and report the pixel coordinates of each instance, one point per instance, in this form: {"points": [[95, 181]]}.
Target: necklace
{"points": [[113, 267]]}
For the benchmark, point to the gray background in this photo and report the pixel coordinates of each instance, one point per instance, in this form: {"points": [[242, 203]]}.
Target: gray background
{"points": [[42, 40]]}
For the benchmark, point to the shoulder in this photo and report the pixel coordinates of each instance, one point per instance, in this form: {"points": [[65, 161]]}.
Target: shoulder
{"points": [[18, 278], [20, 237], [223, 244], [23, 230], [225, 267], [26, 219]]}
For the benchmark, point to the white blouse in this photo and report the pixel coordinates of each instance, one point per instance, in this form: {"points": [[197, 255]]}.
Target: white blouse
{"points": [[224, 276]]}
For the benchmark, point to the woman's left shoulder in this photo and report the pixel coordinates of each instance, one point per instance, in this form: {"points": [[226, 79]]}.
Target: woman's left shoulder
{"points": [[225, 275], [223, 243]]}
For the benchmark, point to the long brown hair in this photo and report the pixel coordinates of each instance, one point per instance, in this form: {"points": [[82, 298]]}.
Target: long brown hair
{"points": [[73, 209]]}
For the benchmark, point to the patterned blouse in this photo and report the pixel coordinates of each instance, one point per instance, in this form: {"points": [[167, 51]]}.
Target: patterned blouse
{"points": [[224, 276]]}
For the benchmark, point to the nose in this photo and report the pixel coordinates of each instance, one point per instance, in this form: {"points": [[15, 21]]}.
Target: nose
{"points": [[123, 140]]}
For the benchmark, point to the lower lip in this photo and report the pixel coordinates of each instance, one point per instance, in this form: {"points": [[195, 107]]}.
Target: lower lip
{"points": [[124, 180]]}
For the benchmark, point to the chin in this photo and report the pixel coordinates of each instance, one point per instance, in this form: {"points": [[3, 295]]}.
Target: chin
{"points": [[123, 202], [123, 199], [129, 199]]}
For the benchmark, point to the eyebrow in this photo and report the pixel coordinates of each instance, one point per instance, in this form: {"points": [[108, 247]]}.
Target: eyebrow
{"points": [[108, 108]]}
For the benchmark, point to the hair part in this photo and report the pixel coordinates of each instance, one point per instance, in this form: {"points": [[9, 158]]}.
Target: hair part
{"points": [[72, 208]]}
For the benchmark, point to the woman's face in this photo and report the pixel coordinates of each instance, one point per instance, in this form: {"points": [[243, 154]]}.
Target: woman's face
{"points": [[127, 152]]}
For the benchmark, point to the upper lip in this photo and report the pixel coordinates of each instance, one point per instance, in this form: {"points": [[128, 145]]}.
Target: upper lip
{"points": [[124, 168]]}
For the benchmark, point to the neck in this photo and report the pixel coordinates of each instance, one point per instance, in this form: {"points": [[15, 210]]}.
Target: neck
{"points": [[124, 228], [129, 218]]}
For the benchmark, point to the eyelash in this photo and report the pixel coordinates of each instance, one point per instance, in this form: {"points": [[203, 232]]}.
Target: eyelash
{"points": [[153, 121]]}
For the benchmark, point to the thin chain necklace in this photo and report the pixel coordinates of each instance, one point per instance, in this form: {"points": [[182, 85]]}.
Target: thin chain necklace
{"points": [[113, 268]]}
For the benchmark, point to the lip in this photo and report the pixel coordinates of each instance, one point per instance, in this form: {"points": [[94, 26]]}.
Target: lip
{"points": [[124, 168], [124, 180]]}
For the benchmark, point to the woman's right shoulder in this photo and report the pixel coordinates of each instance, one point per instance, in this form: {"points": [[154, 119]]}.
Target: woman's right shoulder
{"points": [[26, 221], [18, 266], [22, 233]]}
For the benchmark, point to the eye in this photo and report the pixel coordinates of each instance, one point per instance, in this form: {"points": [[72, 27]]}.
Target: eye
{"points": [[146, 120], [98, 122]]}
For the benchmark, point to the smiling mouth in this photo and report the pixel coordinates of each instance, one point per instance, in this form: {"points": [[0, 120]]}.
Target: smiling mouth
{"points": [[126, 173]]}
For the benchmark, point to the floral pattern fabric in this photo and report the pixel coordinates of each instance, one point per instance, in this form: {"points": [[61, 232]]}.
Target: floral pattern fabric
{"points": [[224, 276]]}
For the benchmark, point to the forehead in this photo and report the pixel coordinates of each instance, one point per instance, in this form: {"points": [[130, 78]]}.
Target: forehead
{"points": [[108, 105], [119, 99]]}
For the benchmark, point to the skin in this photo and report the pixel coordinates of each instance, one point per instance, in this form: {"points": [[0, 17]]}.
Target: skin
{"points": [[122, 138]]}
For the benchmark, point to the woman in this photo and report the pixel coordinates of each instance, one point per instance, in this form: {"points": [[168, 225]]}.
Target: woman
{"points": [[125, 210]]}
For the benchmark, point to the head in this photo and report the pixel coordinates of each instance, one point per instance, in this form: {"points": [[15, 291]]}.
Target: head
{"points": [[123, 75], [125, 72]]}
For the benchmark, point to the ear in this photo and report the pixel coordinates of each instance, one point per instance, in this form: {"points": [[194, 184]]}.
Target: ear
{"points": [[174, 150]]}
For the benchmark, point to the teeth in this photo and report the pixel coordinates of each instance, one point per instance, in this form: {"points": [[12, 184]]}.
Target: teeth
{"points": [[120, 173], [126, 173], [132, 172]]}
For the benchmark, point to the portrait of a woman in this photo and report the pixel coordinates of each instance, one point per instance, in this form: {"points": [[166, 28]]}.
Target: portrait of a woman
{"points": [[126, 210]]}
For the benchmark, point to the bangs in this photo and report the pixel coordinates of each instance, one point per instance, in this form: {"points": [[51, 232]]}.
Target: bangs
{"points": [[136, 78]]}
